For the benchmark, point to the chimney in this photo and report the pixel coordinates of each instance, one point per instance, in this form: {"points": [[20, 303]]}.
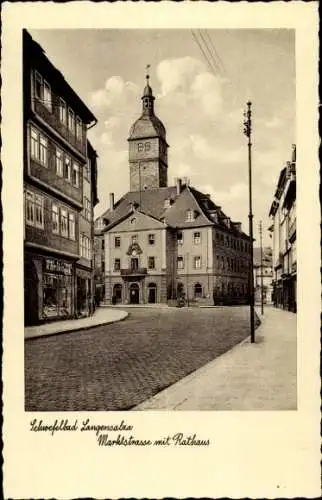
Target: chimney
{"points": [[111, 201], [178, 181], [293, 153]]}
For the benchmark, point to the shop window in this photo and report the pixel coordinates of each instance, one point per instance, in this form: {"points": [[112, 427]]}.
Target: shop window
{"points": [[75, 176], [180, 262], [55, 218], [62, 111], [64, 222], [47, 96], [71, 226], [197, 238], [117, 242], [67, 168], [151, 262], [197, 262], [117, 264], [198, 290], [151, 239], [180, 237], [59, 162]]}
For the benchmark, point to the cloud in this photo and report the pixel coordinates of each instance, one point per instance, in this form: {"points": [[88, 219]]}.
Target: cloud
{"points": [[203, 150], [115, 92], [178, 74], [275, 122]]}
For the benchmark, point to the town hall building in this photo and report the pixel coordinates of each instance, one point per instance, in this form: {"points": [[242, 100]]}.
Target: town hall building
{"points": [[164, 244]]}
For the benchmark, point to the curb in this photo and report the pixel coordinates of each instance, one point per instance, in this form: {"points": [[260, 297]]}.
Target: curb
{"points": [[78, 328]]}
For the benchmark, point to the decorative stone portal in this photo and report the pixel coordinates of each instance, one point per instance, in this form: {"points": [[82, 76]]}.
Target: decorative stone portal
{"points": [[134, 290]]}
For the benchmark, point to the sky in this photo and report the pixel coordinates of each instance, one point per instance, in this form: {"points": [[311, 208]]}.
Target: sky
{"points": [[201, 107]]}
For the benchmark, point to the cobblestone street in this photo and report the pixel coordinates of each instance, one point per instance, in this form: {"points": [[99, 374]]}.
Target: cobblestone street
{"points": [[117, 366]]}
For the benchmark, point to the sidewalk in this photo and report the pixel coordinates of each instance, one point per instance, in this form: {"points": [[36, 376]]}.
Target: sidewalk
{"points": [[102, 316], [260, 376]]}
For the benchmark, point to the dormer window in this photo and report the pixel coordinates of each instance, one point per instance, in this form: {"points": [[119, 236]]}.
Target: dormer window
{"points": [[190, 216]]}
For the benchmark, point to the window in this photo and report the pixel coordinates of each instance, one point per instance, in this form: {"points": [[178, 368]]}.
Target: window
{"points": [[117, 242], [43, 147], [85, 247], [59, 162], [38, 85], [79, 129], [87, 209], [189, 216], [198, 290], [147, 146], [55, 218], [197, 238], [71, 120], [67, 168], [87, 169], [197, 262], [62, 111], [103, 267], [30, 208], [34, 144], [34, 210], [134, 238], [71, 226], [151, 262], [47, 96], [103, 244], [180, 262], [151, 239], [63, 222], [75, 177], [180, 237], [134, 264], [140, 147]]}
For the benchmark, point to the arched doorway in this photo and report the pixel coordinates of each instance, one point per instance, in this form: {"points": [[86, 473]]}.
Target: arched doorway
{"points": [[117, 294], [152, 293], [134, 293], [198, 290]]}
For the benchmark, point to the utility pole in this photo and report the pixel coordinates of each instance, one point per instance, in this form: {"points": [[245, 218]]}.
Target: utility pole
{"points": [[248, 133], [261, 268], [187, 284]]}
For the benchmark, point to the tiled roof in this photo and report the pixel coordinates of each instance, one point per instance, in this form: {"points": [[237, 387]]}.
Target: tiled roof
{"points": [[152, 202]]}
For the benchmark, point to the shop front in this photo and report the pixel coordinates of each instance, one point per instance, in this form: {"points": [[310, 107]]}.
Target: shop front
{"points": [[48, 284], [57, 289]]}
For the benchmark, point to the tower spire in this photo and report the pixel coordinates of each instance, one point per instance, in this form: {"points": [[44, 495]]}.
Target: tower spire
{"points": [[148, 98]]}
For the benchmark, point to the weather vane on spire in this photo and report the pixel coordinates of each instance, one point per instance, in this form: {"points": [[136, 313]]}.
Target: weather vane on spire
{"points": [[148, 66]]}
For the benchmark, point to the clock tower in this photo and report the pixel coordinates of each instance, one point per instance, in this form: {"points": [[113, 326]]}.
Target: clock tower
{"points": [[148, 148]]}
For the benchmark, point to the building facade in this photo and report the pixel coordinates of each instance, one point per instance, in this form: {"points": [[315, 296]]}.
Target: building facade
{"points": [[263, 274], [56, 163], [163, 244], [283, 228]]}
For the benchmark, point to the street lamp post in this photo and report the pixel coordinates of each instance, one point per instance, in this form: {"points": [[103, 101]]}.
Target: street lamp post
{"points": [[261, 268], [248, 133]]}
